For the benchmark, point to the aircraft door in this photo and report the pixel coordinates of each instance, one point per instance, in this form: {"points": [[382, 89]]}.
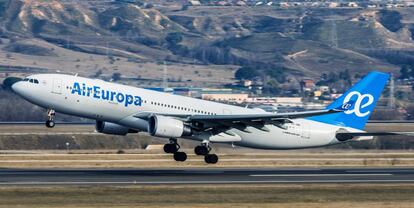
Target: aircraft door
{"points": [[57, 86]]}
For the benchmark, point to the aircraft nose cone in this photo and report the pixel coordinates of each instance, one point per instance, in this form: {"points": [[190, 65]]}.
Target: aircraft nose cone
{"points": [[10, 81]]}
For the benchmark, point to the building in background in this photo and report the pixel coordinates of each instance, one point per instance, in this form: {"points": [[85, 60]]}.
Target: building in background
{"points": [[228, 98]]}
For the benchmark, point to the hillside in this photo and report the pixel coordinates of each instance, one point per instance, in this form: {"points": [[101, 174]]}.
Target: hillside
{"points": [[134, 40]]}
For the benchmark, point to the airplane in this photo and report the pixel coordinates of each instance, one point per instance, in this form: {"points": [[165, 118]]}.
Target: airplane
{"points": [[121, 109]]}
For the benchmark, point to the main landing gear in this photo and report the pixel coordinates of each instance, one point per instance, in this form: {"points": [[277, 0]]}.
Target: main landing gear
{"points": [[204, 149], [50, 123], [173, 148]]}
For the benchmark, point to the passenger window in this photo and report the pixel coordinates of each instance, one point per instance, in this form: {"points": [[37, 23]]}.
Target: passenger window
{"points": [[31, 80], [26, 80]]}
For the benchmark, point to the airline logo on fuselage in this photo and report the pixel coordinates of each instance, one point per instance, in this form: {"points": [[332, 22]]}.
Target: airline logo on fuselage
{"points": [[98, 93]]}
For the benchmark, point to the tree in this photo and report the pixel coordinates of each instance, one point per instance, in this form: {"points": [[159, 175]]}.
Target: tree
{"points": [[345, 75], [272, 87], [184, 7], [412, 72], [116, 76], [174, 38], [324, 76], [410, 112], [406, 72], [246, 72], [332, 77], [277, 73], [391, 20]]}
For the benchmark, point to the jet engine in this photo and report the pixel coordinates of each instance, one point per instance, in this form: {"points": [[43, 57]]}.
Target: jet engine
{"points": [[163, 126], [111, 128]]}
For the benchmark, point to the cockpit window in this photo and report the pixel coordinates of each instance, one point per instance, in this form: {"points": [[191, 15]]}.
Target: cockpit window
{"points": [[35, 81]]}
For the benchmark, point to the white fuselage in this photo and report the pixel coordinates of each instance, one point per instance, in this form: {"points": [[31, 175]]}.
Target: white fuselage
{"points": [[110, 102]]}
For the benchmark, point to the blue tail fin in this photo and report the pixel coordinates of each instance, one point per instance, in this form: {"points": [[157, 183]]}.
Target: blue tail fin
{"points": [[363, 96]]}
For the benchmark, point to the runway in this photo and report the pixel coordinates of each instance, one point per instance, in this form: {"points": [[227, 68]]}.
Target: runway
{"points": [[62, 177]]}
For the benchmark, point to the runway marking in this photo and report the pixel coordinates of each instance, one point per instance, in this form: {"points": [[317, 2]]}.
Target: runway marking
{"points": [[318, 175], [332, 154], [198, 182], [379, 171]]}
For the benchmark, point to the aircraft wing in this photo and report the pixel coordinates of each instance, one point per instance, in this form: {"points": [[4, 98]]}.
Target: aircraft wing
{"points": [[244, 117], [241, 121], [261, 117]]}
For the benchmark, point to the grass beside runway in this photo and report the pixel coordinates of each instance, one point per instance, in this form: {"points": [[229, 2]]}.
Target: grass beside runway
{"points": [[326, 158], [335, 195]]}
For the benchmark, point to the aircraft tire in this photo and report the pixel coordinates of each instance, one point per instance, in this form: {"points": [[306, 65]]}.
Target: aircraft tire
{"points": [[201, 150], [180, 156], [170, 148], [50, 124], [211, 158]]}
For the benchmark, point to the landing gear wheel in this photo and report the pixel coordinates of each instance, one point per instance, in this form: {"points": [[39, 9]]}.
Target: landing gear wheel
{"points": [[180, 156], [50, 124], [201, 150], [211, 158], [170, 148]]}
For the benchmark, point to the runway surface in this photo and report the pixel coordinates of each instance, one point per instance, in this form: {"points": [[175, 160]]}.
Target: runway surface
{"points": [[62, 177]]}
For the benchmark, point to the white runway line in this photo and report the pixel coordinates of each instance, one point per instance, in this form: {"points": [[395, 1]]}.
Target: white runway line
{"points": [[319, 175], [376, 171]]}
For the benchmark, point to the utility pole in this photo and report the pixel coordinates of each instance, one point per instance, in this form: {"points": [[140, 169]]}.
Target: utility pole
{"points": [[391, 103], [165, 76]]}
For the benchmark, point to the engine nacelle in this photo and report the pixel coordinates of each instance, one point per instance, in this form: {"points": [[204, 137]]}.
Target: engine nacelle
{"points": [[163, 126], [111, 128]]}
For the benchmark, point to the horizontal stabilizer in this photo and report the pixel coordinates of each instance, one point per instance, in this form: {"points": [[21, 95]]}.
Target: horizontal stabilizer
{"points": [[344, 136]]}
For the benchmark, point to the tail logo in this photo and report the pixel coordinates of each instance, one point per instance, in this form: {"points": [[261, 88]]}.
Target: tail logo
{"points": [[361, 102]]}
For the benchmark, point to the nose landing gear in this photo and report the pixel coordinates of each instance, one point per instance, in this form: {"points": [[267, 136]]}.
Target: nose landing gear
{"points": [[173, 148], [50, 123]]}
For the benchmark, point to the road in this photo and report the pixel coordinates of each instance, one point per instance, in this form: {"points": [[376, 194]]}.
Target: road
{"points": [[61, 177]]}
